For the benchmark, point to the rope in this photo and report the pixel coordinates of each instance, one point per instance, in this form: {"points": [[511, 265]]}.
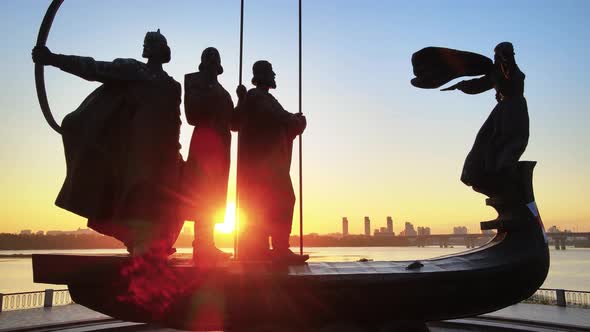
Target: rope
{"points": [[300, 148], [237, 212]]}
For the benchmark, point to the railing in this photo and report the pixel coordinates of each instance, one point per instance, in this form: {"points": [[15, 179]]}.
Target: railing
{"points": [[561, 297], [36, 299], [51, 297]]}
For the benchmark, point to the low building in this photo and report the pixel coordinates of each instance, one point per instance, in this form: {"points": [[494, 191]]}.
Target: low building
{"points": [[460, 230], [423, 230], [83, 231]]}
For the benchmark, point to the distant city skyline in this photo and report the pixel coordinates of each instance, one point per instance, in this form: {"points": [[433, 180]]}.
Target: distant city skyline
{"points": [[420, 230]]}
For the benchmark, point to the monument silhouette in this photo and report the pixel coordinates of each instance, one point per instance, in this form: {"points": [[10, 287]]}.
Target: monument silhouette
{"points": [[266, 134], [491, 165], [208, 107], [122, 147], [251, 293]]}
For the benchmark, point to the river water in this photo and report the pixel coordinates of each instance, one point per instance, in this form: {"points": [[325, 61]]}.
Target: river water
{"points": [[570, 269]]}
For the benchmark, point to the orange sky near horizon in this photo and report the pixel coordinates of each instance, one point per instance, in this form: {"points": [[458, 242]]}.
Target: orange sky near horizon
{"points": [[440, 203]]}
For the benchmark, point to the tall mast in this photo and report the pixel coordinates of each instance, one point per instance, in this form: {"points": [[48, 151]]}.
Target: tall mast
{"points": [[237, 212], [300, 148]]}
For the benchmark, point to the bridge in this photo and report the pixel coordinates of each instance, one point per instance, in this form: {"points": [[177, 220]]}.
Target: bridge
{"points": [[560, 239], [445, 240], [471, 240]]}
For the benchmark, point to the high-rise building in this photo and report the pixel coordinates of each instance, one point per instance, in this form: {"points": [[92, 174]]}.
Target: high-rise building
{"points": [[389, 225], [367, 226], [344, 226], [408, 230]]}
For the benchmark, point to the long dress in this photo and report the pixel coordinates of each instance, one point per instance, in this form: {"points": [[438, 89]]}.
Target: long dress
{"points": [[504, 135], [122, 152], [266, 134], [208, 107]]}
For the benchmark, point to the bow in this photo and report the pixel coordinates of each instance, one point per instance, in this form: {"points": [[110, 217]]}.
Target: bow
{"points": [[39, 69]]}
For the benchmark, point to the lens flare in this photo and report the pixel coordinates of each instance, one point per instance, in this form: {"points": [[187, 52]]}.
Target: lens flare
{"points": [[229, 220]]}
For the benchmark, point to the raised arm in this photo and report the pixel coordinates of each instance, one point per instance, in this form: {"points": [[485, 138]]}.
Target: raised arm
{"points": [[88, 68]]}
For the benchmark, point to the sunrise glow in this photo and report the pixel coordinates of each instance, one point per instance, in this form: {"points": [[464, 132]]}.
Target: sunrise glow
{"points": [[229, 220]]}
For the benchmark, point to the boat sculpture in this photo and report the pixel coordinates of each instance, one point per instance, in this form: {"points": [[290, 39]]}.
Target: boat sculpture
{"points": [[237, 295]]}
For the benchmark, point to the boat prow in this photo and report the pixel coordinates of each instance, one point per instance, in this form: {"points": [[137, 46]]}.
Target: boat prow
{"points": [[505, 271]]}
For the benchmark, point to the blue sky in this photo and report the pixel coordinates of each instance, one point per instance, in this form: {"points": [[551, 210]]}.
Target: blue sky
{"points": [[374, 144]]}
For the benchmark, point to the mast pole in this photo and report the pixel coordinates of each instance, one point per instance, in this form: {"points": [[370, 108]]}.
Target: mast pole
{"points": [[237, 204], [300, 148]]}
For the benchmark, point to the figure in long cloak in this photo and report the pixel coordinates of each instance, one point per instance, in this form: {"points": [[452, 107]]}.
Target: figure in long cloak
{"points": [[491, 165], [266, 196], [121, 147], [208, 107]]}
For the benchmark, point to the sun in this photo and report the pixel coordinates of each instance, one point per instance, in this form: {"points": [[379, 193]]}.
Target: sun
{"points": [[229, 220]]}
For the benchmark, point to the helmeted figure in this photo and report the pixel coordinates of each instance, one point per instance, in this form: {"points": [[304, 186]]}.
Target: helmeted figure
{"points": [[266, 196], [208, 107], [491, 165], [121, 147]]}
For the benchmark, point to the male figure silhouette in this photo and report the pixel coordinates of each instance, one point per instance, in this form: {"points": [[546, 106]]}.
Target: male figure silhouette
{"points": [[208, 107], [121, 147], [266, 196]]}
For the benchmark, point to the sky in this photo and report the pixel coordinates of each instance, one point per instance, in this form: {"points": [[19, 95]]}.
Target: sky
{"points": [[374, 146]]}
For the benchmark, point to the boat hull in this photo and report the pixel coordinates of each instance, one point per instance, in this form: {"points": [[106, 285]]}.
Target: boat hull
{"points": [[320, 293]]}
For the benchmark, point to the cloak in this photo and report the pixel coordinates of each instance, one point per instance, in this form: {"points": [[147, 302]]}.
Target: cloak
{"points": [[208, 107], [122, 152], [436, 66], [266, 134]]}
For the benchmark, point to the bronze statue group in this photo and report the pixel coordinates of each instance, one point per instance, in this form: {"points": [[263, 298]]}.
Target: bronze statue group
{"points": [[126, 175]]}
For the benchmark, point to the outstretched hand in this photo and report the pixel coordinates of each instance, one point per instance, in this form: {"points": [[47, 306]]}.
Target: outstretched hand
{"points": [[42, 55], [301, 120], [452, 87]]}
